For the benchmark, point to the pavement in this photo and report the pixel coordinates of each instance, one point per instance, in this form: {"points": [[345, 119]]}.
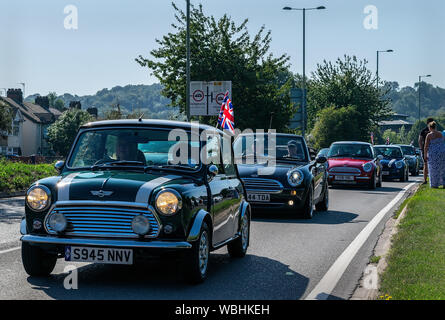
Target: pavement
{"points": [[287, 259]]}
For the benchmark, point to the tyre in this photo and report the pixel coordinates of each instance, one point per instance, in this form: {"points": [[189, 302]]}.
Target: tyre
{"points": [[372, 184], [308, 209], [324, 204], [197, 260], [37, 263], [238, 247]]}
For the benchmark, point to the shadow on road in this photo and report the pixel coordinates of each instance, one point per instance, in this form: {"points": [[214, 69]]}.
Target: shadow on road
{"points": [[328, 217], [252, 277]]}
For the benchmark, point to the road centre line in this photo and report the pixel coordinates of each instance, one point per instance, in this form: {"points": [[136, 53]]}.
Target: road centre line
{"points": [[329, 281], [9, 250]]}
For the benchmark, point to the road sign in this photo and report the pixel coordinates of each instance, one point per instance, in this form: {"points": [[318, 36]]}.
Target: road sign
{"points": [[207, 96], [296, 98]]}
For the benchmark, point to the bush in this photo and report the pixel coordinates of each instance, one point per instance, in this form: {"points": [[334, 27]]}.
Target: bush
{"points": [[18, 176]]}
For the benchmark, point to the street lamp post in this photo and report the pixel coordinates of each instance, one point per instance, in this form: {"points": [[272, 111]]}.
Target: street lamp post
{"points": [[303, 104], [378, 51], [187, 68], [418, 89]]}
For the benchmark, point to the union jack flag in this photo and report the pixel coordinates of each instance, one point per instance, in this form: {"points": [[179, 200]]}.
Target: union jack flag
{"points": [[226, 118]]}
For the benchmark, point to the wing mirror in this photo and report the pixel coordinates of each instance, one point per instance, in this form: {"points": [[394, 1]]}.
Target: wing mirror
{"points": [[59, 166], [212, 171], [321, 159]]}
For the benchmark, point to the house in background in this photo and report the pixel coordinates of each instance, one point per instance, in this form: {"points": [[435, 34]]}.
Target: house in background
{"points": [[29, 125], [396, 122]]}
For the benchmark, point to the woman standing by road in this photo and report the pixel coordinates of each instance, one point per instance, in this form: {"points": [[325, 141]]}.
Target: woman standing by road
{"points": [[435, 156]]}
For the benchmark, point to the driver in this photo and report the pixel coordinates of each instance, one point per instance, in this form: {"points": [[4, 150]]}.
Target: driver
{"points": [[292, 147], [127, 149]]}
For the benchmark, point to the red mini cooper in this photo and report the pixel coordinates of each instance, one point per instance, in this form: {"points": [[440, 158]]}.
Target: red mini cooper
{"points": [[354, 163]]}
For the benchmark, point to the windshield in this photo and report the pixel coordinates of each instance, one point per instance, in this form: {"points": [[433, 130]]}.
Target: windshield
{"points": [[256, 146], [350, 150], [389, 152], [409, 150], [135, 147]]}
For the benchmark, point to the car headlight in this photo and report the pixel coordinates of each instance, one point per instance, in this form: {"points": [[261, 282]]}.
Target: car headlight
{"points": [[38, 198], [168, 202], [295, 177], [367, 167], [57, 222], [140, 225], [399, 164]]}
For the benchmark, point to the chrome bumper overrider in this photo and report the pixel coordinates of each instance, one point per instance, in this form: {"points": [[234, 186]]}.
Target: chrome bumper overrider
{"points": [[106, 242]]}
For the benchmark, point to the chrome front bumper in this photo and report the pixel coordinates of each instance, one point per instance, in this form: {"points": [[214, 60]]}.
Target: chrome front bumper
{"points": [[115, 243]]}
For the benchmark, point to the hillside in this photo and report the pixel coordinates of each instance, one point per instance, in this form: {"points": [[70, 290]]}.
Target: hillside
{"points": [[145, 99]]}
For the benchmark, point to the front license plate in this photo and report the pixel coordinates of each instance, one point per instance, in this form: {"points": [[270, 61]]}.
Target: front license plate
{"points": [[99, 255], [344, 178], [385, 173], [258, 197]]}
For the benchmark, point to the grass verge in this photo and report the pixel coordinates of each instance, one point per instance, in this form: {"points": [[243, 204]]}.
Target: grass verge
{"points": [[416, 263], [17, 176]]}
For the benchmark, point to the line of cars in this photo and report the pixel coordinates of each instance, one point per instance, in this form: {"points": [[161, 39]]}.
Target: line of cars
{"points": [[120, 197]]}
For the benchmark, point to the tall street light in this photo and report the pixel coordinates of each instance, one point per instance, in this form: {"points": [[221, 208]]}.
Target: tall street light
{"points": [[418, 89], [378, 51], [304, 61], [187, 68]]}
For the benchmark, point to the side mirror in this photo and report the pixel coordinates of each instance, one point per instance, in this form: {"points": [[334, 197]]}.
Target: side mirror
{"points": [[321, 159], [212, 171], [59, 166]]}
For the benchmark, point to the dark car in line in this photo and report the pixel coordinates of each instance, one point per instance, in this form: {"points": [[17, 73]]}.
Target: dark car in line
{"points": [[281, 177], [413, 158], [354, 163], [394, 163], [121, 197]]}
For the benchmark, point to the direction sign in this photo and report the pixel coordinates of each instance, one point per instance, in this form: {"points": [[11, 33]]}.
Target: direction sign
{"points": [[206, 97]]}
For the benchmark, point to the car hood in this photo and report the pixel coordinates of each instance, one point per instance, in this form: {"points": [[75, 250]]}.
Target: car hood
{"points": [[389, 162], [111, 185], [262, 171], [347, 162]]}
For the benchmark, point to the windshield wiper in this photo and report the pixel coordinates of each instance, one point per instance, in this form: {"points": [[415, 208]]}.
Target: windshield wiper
{"points": [[291, 158], [116, 163]]}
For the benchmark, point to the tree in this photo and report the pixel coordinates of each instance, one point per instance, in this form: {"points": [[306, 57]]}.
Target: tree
{"points": [[336, 124], [59, 105], [347, 82], [5, 117], [61, 134], [223, 50]]}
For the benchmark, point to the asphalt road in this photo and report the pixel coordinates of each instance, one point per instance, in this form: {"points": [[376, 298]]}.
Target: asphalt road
{"points": [[287, 258]]}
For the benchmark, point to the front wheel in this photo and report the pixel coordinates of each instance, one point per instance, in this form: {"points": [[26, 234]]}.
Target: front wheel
{"points": [[324, 204], [197, 260], [308, 209], [238, 247], [37, 263]]}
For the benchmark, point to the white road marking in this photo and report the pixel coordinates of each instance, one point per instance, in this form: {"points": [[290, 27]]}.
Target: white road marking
{"points": [[9, 250], [329, 281]]}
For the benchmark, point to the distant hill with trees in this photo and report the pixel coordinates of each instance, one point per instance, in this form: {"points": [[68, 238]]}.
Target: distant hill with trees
{"points": [[130, 99]]}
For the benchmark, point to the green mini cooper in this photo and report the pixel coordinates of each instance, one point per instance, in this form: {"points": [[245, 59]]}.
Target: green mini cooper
{"points": [[136, 188]]}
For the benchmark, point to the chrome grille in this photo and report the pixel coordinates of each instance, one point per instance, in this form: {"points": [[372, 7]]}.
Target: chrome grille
{"points": [[103, 220], [262, 185], [345, 170]]}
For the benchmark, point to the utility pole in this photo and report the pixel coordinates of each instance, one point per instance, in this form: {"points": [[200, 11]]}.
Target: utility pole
{"points": [[187, 95]]}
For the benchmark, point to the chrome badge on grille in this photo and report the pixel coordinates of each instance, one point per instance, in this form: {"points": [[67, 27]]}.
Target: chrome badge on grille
{"points": [[101, 193]]}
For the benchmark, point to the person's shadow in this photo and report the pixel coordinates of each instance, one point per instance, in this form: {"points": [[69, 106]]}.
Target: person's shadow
{"points": [[252, 277]]}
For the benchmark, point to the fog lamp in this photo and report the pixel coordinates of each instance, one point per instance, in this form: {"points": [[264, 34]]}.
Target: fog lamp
{"points": [[140, 225], [57, 222]]}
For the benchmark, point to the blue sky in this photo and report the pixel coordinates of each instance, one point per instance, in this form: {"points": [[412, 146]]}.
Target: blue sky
{"points": [[37, 49]]}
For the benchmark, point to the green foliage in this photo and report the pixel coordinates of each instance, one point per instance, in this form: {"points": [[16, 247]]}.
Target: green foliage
{"points": [[17, 176], [336, 124], [347, 82], [222, 50], [406, 100], [59, 105], [5, 117], [61, 133]]}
